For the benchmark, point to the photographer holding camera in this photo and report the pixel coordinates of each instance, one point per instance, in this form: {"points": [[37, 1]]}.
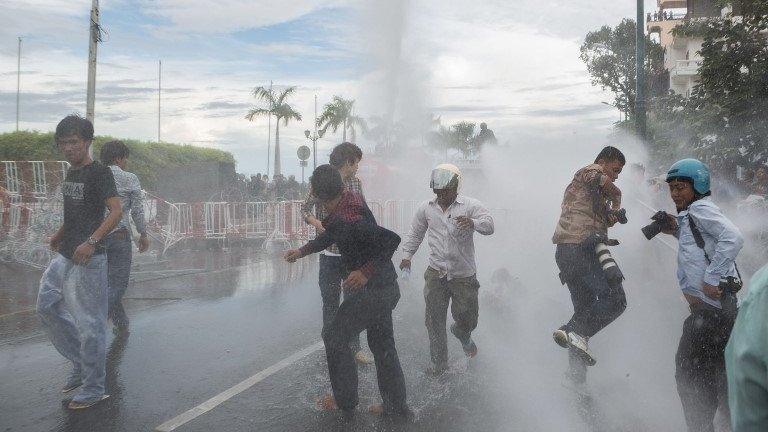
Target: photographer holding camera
{"points": [[591, 204], [708, 243]]}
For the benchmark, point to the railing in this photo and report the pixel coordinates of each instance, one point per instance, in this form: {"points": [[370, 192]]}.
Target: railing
{"points": [[25, 226], [685, 68], [660, 16]]}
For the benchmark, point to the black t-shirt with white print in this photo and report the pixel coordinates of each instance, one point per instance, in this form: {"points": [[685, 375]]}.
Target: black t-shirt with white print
{"points": [[85, 191]]}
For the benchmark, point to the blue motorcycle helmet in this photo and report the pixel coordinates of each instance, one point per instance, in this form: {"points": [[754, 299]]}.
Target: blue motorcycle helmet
{"points": [[693, 170]]}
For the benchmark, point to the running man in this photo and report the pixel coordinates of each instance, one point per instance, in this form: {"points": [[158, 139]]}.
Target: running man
{"points": [[585, 214], [449, 221], [371, 291]]}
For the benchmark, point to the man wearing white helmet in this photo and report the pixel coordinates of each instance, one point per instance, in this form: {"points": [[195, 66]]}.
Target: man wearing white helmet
{"points": [[449, 221]]}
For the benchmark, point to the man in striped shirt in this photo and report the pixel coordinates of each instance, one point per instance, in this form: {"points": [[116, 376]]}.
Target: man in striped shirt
{"points": [[118, 243], [345, 157]]}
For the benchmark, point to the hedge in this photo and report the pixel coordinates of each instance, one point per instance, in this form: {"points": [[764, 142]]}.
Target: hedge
{"points": [[147, 159]]}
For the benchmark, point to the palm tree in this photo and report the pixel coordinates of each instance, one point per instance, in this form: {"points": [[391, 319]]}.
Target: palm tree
{"points": [[458, 136], [278, 107], [340, 112]]}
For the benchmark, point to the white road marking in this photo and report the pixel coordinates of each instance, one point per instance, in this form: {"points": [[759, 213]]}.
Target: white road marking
{"points": [[222, 397]]}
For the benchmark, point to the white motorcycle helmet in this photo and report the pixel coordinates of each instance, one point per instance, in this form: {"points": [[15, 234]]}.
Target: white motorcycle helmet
{"points": [[445, 176]]}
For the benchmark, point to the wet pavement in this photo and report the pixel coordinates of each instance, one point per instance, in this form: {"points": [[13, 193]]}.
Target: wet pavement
{"points": [[196, 335]]}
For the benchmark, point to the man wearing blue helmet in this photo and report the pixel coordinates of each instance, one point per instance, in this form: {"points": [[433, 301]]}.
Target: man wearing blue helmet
{"points": [[708, 243]]}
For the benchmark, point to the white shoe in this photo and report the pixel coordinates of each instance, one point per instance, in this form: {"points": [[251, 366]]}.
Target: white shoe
{"points": [[581, 344], [561, 337]]}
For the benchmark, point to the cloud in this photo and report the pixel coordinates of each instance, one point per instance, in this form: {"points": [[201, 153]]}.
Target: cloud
{"points": [[224, 105], [512, 64], [470, 108], [226, 16], [576, 111]]}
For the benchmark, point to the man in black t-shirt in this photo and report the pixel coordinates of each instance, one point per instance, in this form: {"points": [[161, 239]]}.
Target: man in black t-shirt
{"points": [[75, 317]]}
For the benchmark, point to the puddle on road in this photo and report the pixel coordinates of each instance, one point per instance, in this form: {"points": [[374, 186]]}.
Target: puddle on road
{"points": [[155, 282]]}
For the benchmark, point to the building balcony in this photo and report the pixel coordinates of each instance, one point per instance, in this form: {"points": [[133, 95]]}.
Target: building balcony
{"points": [[672, 4], [685, 68]]}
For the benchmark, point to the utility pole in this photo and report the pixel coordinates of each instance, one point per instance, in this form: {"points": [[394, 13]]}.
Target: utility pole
{"points": [[159, 88], [640, 126], [314, 142], [92, 48], [18, 85], [269, 130]]}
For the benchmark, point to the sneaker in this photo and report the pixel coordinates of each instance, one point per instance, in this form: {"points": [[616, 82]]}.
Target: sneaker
{"points": [[580, 343], [468, 345], [74, 405], [561, 337], [362, 359]]}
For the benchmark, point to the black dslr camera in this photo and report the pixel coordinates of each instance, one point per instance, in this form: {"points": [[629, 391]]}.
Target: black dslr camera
{"points": [[659, 224]]}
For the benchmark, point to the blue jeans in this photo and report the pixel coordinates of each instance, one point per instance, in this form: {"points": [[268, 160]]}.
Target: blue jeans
{"points": [[119, 256], [72, 304]]}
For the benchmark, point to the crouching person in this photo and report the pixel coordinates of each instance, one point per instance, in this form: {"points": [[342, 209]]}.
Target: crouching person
{"points": [[707, 247], [366, 253], [72, 300]]}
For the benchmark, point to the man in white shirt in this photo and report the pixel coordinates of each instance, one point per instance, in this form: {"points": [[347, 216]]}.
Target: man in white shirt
{"points": [[449, 220]]}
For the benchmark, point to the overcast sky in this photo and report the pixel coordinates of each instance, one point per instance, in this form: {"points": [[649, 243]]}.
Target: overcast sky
{"points": [[512, 64]]}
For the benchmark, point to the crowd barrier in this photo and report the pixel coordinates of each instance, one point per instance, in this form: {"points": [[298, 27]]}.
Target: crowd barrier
{"points": [[26, 225]]}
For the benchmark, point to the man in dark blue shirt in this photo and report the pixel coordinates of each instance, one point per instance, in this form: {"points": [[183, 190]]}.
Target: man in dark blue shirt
{"points": [[366, 253]]}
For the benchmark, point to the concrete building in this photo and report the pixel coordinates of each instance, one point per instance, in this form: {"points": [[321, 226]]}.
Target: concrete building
{"points": [[681, 56]]}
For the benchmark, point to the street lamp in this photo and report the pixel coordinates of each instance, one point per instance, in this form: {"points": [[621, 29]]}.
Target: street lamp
{"points": [[314, 136]]}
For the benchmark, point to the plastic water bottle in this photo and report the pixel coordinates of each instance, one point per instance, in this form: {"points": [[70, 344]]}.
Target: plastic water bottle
{"points": [[406, 273]]}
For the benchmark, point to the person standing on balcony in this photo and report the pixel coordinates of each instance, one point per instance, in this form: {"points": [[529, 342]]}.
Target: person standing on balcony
{"points": [[118, 243], [72, 300], [449, 221], [346, 158]]}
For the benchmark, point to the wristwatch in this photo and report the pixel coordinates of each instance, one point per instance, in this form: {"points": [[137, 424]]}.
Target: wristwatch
{"points": [[92, 241]]}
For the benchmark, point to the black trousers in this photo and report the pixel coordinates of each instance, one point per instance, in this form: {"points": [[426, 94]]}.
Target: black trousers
{"points": [[331, 274], [369, 309], [595, 303], [700, 366]]}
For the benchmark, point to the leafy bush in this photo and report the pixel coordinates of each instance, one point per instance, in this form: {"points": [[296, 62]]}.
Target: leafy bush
{"points": [[147, 159]]}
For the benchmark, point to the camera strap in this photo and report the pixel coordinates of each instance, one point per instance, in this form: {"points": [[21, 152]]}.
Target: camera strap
{"points": [[699, 239]]}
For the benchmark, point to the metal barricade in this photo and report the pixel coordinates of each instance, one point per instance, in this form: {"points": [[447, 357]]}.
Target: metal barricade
{"points": [[216, 219], [12, 181], [257, 220], [39, 185]]}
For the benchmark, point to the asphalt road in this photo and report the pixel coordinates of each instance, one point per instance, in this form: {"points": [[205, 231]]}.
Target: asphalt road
{"points": [[238, 347]]}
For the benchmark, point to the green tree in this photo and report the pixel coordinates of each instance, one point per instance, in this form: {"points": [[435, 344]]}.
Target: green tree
{"points": [[609, 54], [340, 113], [275, 104]]}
